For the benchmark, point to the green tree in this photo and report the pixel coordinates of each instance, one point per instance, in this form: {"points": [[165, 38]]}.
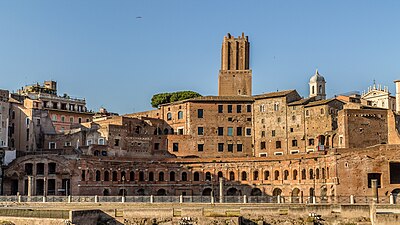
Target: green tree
{"points": [[163, 98]]}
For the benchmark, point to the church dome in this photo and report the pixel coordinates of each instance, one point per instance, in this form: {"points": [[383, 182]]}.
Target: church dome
{"points": [[317, 78]]}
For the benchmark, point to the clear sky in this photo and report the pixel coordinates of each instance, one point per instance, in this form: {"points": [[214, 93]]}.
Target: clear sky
{"points": [[117, 54]]}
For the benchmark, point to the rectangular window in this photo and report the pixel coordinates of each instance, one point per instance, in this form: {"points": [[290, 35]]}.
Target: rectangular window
{"points": [[374, 176], [116, 142], [273, 133], [52, 145], [199, 113], [291, 130], [229, 108], [278, 144], [249, 119], [278, 153], [220, 147], [54, 118], [88, 142], [230, 147], [220, 108], [101, 141], [180, 131], [394, 172], [294, 143], [71, 119], [175, 147], [294, 152], [262, 133], [200, 131], [262, 145], [248, 131], [239, 147], [156, 146], [239, 131], [238, 108], [248, 108], [230, 131], [200, 147], [311, 142], [220, 131]]}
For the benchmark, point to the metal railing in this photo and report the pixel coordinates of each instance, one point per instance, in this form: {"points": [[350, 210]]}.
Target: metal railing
{"points": [[206, 199]]}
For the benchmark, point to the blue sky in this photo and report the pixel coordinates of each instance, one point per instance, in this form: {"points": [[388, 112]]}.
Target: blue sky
{"points": [[100, 50]]}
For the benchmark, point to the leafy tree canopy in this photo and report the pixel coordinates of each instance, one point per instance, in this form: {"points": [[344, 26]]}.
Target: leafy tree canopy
{"points": [[163, 98]]}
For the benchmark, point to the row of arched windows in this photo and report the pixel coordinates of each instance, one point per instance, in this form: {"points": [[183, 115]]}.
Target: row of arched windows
{"points": [[173, 176]]}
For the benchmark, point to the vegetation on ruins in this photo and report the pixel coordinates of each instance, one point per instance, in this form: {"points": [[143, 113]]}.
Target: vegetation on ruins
{"points": [[163, 98]]}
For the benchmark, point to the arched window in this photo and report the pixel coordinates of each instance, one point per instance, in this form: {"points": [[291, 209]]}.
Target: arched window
{"points": [[255, 175], [266, 175], [151, 176], [169, 116], [172, 176], [312, 90], [317, 173], [106, 176], [208, 176], [98, 175], [231, 176], [303, 174], [244, 175], [320, 89], [220, 175], [322, 111], [294, 174], [141, 176], [323, 173], [96, 153], [184, 176], [114, 176], [285, 174], [327, 172], [180, 115], [132, 176], [196, 176], [123, 175], [161, 176], [311, 174], [276, 175]]}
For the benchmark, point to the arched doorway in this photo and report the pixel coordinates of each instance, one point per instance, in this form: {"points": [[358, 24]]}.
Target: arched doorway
{"points": [[106, 192], [206, 192], [295, 195], [256, 192], [324, 194], [161, 192], [122, 192], [232, 192], [275, 193], [141, 192], [396, 195]]}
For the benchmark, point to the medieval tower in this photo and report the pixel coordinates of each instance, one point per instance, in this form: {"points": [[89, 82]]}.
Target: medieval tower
{"points": [[235, 74]]}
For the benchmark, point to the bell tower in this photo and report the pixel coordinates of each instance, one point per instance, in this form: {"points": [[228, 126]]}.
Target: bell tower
{"points": [[235, 73]]}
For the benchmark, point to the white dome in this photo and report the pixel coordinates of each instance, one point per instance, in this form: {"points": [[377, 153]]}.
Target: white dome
{"points": [[317, 78]]}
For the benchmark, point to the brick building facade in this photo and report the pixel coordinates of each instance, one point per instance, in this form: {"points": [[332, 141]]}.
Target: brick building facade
{"points": [[271, 144]]}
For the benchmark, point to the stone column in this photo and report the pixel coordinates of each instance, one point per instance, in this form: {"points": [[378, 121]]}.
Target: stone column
{"points": [[30, 185], [374, 187], [221, 190]]}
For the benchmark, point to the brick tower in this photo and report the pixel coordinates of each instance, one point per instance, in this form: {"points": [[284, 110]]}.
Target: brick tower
{"points": [[235, 74]]}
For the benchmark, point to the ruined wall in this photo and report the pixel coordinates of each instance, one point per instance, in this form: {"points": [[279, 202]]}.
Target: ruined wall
{"points": [[362, 127]]}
